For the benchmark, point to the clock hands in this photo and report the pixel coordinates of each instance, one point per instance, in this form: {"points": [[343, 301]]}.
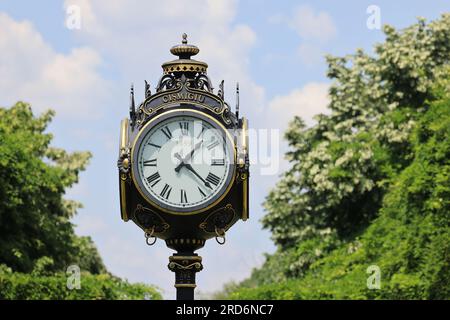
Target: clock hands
{"points": [[189, 167], [188, 156], [177, 155]]}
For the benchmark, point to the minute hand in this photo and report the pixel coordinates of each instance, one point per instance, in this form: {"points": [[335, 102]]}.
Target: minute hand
{"points": [[189, 167]]}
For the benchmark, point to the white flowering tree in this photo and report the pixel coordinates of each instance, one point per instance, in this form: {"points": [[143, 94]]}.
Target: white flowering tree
{"points": [[342, 166]]}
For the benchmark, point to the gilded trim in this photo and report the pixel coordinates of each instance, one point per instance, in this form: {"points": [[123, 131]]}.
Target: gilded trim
{"points": [[185, 285], [123, 150], [123, 136], [184, 66], [193, 258], [123, 201], [245, 181], [245, 135], [245, 200]]}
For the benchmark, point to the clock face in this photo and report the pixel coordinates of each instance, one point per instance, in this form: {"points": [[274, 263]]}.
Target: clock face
{"points": [[183, 162]]}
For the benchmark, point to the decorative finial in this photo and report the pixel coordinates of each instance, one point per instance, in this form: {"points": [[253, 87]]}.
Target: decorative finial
{"points": [[221, 92], [184, 51], [237, 100], [132, 105], [148, 92]]}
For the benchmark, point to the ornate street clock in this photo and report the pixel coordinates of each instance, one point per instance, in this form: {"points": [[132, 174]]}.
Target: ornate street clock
{"points": [[183, 164]]}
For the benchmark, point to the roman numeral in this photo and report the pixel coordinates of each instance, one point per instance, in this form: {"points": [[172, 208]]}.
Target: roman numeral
{"points": [[212, 145], [167, 132], [150, 163], [184, 126], [165, 193], [212, 178], [155, 178], [201, 192], [154, 145], [203, 130], [183, 196], [218, 162]]}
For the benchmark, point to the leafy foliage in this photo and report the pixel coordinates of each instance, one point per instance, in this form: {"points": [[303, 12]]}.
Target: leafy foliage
{"points": [[339, 166], [409, 241], [22, 286], [37, 238], [34, 216], [369, 184]]}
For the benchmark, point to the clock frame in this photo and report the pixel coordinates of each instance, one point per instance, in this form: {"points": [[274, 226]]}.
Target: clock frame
{"points": [[186, 111]]}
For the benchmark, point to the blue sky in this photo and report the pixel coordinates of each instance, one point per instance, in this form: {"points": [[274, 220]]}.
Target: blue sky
{"points": [[274, 49]]}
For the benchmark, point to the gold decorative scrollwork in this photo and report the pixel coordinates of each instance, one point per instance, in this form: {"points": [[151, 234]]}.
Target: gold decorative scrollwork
{"points": [[171, 91], [219, 220], [150, 221], [196, 265]]}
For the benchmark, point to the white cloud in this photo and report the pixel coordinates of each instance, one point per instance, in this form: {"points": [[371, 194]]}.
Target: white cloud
{"points": [[138, 35], [34, 72], [311, 25], [310, 54], [305, 102], [314, 28]]}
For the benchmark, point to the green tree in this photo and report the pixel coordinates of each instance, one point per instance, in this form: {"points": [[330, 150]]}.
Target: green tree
{"points": [[15, 285], [347, 169], [37, 238], [34, 216], [338, 168], [409, 240]]}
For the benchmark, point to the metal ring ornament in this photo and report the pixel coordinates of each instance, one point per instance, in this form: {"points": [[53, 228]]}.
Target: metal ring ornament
{"points": [[220, 235], [148, 236]]}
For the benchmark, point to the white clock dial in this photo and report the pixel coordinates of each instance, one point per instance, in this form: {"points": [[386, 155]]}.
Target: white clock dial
{"points": [[184, 162]]}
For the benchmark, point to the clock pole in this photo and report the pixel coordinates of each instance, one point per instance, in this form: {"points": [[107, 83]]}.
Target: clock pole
{"points": [[185, 265]]}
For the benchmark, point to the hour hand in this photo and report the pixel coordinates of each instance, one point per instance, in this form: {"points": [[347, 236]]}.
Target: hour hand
{"points": [[178, 168], [187, 157]]}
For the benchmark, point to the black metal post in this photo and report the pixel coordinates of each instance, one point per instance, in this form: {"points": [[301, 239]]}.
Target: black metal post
{"points": [[185, 266], [185, 293]]}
